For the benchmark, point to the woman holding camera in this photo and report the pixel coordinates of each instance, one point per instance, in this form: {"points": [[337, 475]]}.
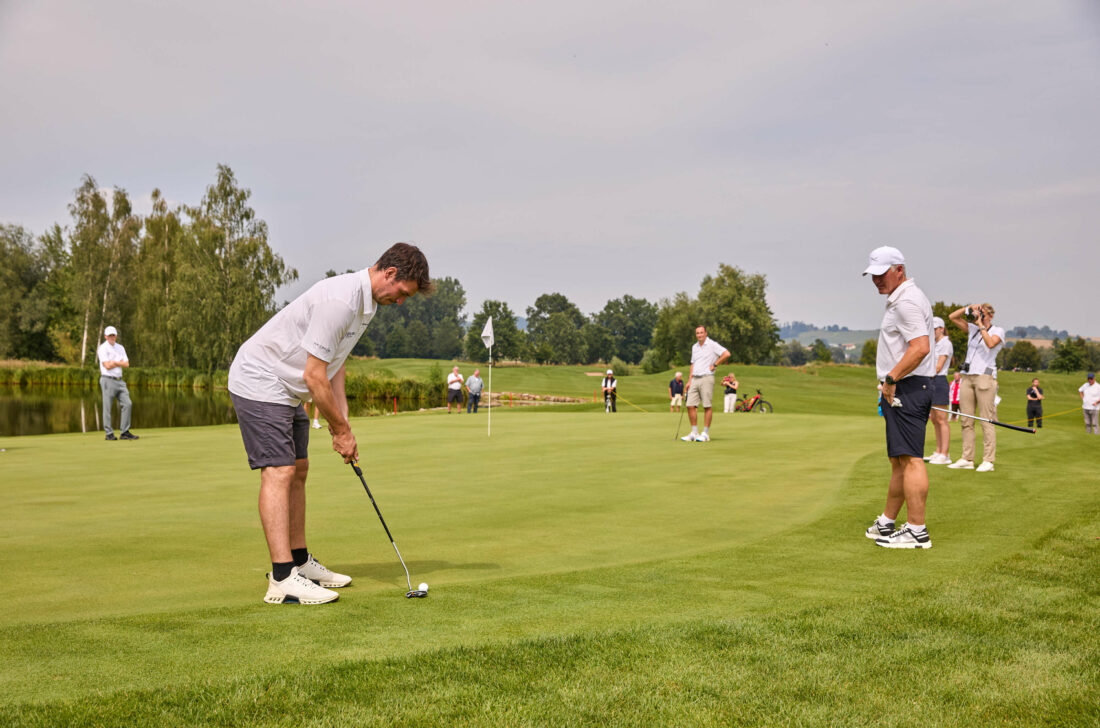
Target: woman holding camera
{"points": [[979, 381]]}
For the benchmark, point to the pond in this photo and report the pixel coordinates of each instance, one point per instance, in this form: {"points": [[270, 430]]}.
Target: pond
{"points": [[46, 410]]}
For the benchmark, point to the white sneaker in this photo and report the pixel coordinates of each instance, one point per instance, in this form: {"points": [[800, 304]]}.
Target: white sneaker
{"points": [[703, 437], [317, 572], [878, 530], [296, 589], [928, 458], [961, 464], [906, 538], [986, 467], [316, 425], [690, 437], [938, 459]]}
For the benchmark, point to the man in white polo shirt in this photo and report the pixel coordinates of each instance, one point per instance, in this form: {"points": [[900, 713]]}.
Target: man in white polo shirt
{"points": [[905, 366], [1090, 404], [706, 356], [112, 360], [298, 356]]}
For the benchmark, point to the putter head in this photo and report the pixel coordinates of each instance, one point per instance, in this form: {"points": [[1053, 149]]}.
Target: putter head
{"points": [[416, 594]]}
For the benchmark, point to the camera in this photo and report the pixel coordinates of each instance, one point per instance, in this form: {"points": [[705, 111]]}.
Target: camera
{"points": [[974, 314], [964, 367]]}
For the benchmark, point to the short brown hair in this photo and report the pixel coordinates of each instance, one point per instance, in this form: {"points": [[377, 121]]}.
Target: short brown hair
{"points": [[410, 263]]}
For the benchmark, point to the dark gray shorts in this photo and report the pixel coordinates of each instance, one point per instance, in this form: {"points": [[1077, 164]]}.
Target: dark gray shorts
{"points": [[454, 395], [906, 425], [941, 391], [274, 434]]}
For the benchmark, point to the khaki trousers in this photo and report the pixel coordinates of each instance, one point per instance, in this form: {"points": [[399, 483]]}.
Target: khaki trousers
{"points": [[976, 395]]}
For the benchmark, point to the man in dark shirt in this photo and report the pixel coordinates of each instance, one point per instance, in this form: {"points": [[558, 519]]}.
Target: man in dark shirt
{"points": [[1035, 404], [676, 393]]}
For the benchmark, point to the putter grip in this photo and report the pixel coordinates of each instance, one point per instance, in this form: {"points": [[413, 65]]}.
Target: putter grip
{"points": [[355, 467]]}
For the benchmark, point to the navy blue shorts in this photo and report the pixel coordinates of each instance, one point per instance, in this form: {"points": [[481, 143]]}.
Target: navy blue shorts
{"points": [[274, 434], [906, 425], [941, 393]]}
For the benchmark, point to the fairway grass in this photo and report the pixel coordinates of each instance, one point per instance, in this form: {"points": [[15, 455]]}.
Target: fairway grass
{"points": [[585, 569]]}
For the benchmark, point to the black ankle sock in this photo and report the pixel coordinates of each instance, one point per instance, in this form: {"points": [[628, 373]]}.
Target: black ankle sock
{"points": [[300, 556], [281, 569]]}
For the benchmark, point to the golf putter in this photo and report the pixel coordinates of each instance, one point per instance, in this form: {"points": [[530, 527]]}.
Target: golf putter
{"points": [[411, 593], [683, 406]]}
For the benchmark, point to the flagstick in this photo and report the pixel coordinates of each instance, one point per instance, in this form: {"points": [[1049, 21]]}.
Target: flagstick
{"points": [[489, 399]]}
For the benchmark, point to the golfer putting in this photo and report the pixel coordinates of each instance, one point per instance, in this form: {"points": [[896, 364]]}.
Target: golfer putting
{"points": [[905, 365], [299, 356]]}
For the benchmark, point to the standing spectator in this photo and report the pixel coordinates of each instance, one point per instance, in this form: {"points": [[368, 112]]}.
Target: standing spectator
{"points": [[956, 385], [978, 393], [676, 392], [609, 387], [730, 383], [112, 360], [905, 365], [1090, 404], [298, 356], [1035, 404], [706, 356], [474, 385], [316, 415], [454, 390], [941, 395]]}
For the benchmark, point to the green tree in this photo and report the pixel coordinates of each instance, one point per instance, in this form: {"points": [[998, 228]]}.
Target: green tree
{"points": [[630, 323], [839, 356], [869, 355], [1070, 356], [24, 314], [820, 351], [227, 275], [509, 339], [734, 307], [675, 330], [159, 251], [793, 354], [563, 340], [538, 316], [1022, 355], [599, 344], [440, 314]]}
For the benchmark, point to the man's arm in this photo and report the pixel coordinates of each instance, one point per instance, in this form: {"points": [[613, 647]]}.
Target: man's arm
{"points": [[915, 352], [940, 360], [721, 360], [330, 398]]}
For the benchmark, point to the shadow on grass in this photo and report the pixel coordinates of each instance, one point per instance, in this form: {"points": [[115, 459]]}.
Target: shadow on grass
{"points": [[383, 572]]}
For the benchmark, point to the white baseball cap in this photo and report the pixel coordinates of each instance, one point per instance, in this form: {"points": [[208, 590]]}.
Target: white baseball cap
{"points": [[110, 331], [882, 259], [610, 372], [937, 323]]}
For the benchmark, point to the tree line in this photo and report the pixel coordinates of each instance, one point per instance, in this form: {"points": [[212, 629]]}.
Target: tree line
{"points": [[187, 284]]}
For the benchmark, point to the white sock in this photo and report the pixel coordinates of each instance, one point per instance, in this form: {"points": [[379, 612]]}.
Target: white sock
{"points": [[706, 430], [884, 520], [917, 529], [695, 430]]}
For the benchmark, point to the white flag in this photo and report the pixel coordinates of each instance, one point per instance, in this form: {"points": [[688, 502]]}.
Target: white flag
{"points": [[487, 333]]}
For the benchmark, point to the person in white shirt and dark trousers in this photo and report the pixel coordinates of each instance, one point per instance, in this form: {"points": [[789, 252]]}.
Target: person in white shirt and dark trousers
{"points": [[112, 360], [1090, 404]]}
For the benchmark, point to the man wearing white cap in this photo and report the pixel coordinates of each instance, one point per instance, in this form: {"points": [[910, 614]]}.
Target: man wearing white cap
{"points": [[905, 367], [609, 386], [941, 394], [112, 360]]}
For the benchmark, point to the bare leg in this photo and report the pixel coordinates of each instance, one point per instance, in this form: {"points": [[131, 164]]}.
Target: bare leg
{"points": [[942, 430], [708, 413], [895, 493], [915, 484], [275, 488], [298, 504], [693, 417]]}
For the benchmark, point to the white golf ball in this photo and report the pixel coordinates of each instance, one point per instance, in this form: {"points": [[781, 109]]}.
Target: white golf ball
{"points": [[423, 586]]}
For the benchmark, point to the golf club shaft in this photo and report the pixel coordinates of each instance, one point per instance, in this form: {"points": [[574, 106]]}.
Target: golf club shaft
{"points": [[681, 422], [983, 419], [359, 472]]}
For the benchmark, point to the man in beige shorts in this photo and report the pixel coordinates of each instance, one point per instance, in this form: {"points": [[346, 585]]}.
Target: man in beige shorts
{"points": [[706, 356]]}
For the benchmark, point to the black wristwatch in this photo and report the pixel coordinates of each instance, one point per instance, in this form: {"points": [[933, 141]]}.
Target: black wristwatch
{"points": [[890, 380]]}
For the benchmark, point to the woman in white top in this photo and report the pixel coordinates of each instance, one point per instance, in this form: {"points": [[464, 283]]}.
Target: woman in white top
{"points": [[979, 381]]}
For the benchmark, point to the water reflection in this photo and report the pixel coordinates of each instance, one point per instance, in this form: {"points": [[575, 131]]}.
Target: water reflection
{"points": [[48, 410]]}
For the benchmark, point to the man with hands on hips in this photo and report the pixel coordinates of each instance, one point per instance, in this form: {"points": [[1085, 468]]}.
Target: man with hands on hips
{"points": [[706, 356], [905, 364]]}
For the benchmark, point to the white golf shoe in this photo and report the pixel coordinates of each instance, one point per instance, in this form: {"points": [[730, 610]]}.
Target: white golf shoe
{"points": [[317, 572], [690, 437], [986, 467], [961, 464], [906, 538], [296, 589], [938, 459], [703, 437]]}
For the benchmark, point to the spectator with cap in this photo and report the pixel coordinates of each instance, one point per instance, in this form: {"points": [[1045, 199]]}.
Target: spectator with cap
{"points": [[609, 387], [943, 350], [1090, 404], [112, 360]]}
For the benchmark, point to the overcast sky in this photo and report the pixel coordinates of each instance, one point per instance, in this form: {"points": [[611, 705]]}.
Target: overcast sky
{"points": [[595, 148]]}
